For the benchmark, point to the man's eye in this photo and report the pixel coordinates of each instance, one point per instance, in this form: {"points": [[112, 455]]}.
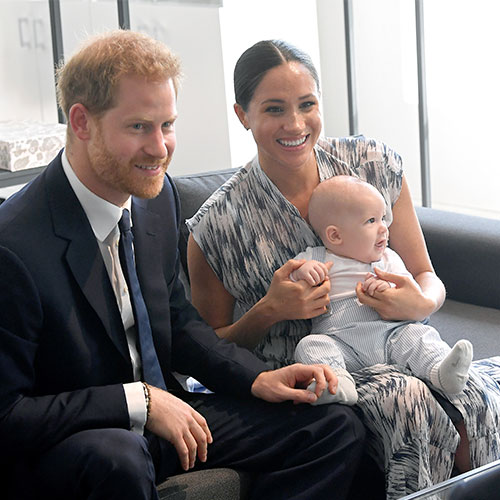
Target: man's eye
{"points": [[167, 124], [137, 126]]}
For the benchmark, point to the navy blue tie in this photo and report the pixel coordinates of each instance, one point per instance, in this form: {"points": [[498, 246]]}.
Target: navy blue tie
{"points": [[150, 365]]}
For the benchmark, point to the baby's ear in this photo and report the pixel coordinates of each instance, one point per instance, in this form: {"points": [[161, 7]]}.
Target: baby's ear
{"points": [[332, 235]]}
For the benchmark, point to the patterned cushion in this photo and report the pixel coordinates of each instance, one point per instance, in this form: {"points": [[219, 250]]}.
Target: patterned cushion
{"points": [[29, 144]]}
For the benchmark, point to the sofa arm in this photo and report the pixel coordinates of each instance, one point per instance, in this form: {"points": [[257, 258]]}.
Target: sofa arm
{"points": [[465, 252]]}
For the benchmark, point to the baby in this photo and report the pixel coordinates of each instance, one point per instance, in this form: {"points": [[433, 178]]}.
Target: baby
{"points": [[349, 216]]}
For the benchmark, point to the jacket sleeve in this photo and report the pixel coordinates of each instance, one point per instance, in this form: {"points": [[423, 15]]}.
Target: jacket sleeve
{"points": [[29, 423]]}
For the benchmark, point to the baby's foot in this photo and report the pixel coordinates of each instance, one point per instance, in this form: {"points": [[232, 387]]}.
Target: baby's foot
{"points": [[453, 372], [346, 390]]}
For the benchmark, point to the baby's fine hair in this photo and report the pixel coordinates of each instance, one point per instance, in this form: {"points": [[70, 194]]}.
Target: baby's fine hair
{"points": [[333, 197]]}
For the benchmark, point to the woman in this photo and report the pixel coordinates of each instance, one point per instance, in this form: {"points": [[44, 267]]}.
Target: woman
{"points": [[245, 234]]}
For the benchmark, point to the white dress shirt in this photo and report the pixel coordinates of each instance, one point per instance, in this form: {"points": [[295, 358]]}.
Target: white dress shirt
{"points": [[103, 217]]}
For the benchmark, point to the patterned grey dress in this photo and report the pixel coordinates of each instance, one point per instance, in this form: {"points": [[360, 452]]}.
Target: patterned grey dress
{"points": [[247, 230]]}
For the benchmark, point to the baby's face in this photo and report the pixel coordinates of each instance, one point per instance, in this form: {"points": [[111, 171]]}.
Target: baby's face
{"points": [[364, 230]]}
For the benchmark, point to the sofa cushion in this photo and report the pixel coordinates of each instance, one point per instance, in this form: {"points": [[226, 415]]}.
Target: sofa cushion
{"points": [[216, 484], [459, 320]]}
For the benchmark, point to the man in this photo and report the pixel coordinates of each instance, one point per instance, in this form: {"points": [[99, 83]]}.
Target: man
{"points": [[89, 341]]}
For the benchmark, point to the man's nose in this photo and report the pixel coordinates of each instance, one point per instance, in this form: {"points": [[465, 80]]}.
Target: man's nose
{"points": [[156, 145]]}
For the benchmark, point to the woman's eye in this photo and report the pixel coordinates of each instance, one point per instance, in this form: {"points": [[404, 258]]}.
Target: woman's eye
{"points": [[307, 104], [274, 109]]}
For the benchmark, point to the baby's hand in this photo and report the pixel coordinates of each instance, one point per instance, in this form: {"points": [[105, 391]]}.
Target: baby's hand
{"points": [[374, 284], [312, 271]]}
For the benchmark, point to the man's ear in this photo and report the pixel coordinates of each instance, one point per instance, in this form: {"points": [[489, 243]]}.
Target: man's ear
{"points": [[80, 121], [241, 114], [332, 234]]}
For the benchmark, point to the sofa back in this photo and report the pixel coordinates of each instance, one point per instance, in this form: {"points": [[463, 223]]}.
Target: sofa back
{"points": [[193, 190], [465, 252], [464, 249]]}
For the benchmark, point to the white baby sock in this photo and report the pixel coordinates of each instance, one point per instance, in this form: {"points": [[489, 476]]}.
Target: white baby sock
{"points": [[451, 374], [346, 390]]}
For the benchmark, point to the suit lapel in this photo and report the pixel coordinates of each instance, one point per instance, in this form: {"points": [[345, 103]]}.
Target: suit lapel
{"points": [[83, 255]]}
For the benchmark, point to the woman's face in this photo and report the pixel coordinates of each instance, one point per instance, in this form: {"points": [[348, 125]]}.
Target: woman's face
{"points": [[284, 117]]}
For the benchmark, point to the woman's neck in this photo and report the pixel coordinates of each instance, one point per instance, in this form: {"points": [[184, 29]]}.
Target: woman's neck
{"points": [[296, 186]]}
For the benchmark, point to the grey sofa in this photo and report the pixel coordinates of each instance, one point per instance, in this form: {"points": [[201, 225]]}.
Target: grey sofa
{"points": [[465, 251]]}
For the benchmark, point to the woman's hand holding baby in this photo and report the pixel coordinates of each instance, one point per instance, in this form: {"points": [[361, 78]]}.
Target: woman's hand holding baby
{"points": [[374, 284], [312, 271], [287, 299], [404, 301]]}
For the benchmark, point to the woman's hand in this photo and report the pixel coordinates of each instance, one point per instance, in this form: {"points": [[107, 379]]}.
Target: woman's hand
{"points": [[313, 271], [405, 301], [287, 299], [284, 300], [374, 284]]}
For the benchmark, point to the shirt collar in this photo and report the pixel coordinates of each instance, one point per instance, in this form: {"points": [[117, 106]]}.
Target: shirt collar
{"points": [[102, 215]]}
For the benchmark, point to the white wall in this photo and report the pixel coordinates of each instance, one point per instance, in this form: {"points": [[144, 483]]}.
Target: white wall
{"points": [[245, 22], [386, 71], [463, 75], [81, 19], [331, 37], [26, 77], [194, 33]]}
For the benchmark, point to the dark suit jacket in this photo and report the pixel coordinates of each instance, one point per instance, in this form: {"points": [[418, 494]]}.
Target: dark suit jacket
{"points": [[63, 352]]}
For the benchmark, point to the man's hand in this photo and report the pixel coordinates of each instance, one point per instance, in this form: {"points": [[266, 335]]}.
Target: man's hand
{"points": [[174, 420], [289, 383], [312, 271]]}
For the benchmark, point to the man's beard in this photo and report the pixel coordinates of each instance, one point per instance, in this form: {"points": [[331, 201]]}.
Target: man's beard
{"points": [[121, 176]]}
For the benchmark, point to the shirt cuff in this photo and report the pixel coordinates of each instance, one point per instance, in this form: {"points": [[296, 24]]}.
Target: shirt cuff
{"points": [[136, 403]]}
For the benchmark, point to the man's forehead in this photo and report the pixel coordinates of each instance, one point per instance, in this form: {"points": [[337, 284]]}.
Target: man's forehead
{"points": [[136, 96]]}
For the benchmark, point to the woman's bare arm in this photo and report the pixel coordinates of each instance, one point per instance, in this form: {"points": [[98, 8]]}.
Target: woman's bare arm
{"points": [[406, 301], [284, 300]]}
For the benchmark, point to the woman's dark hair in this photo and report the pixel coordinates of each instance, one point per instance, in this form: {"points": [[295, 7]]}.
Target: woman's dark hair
{"points": [[256, 61]]}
